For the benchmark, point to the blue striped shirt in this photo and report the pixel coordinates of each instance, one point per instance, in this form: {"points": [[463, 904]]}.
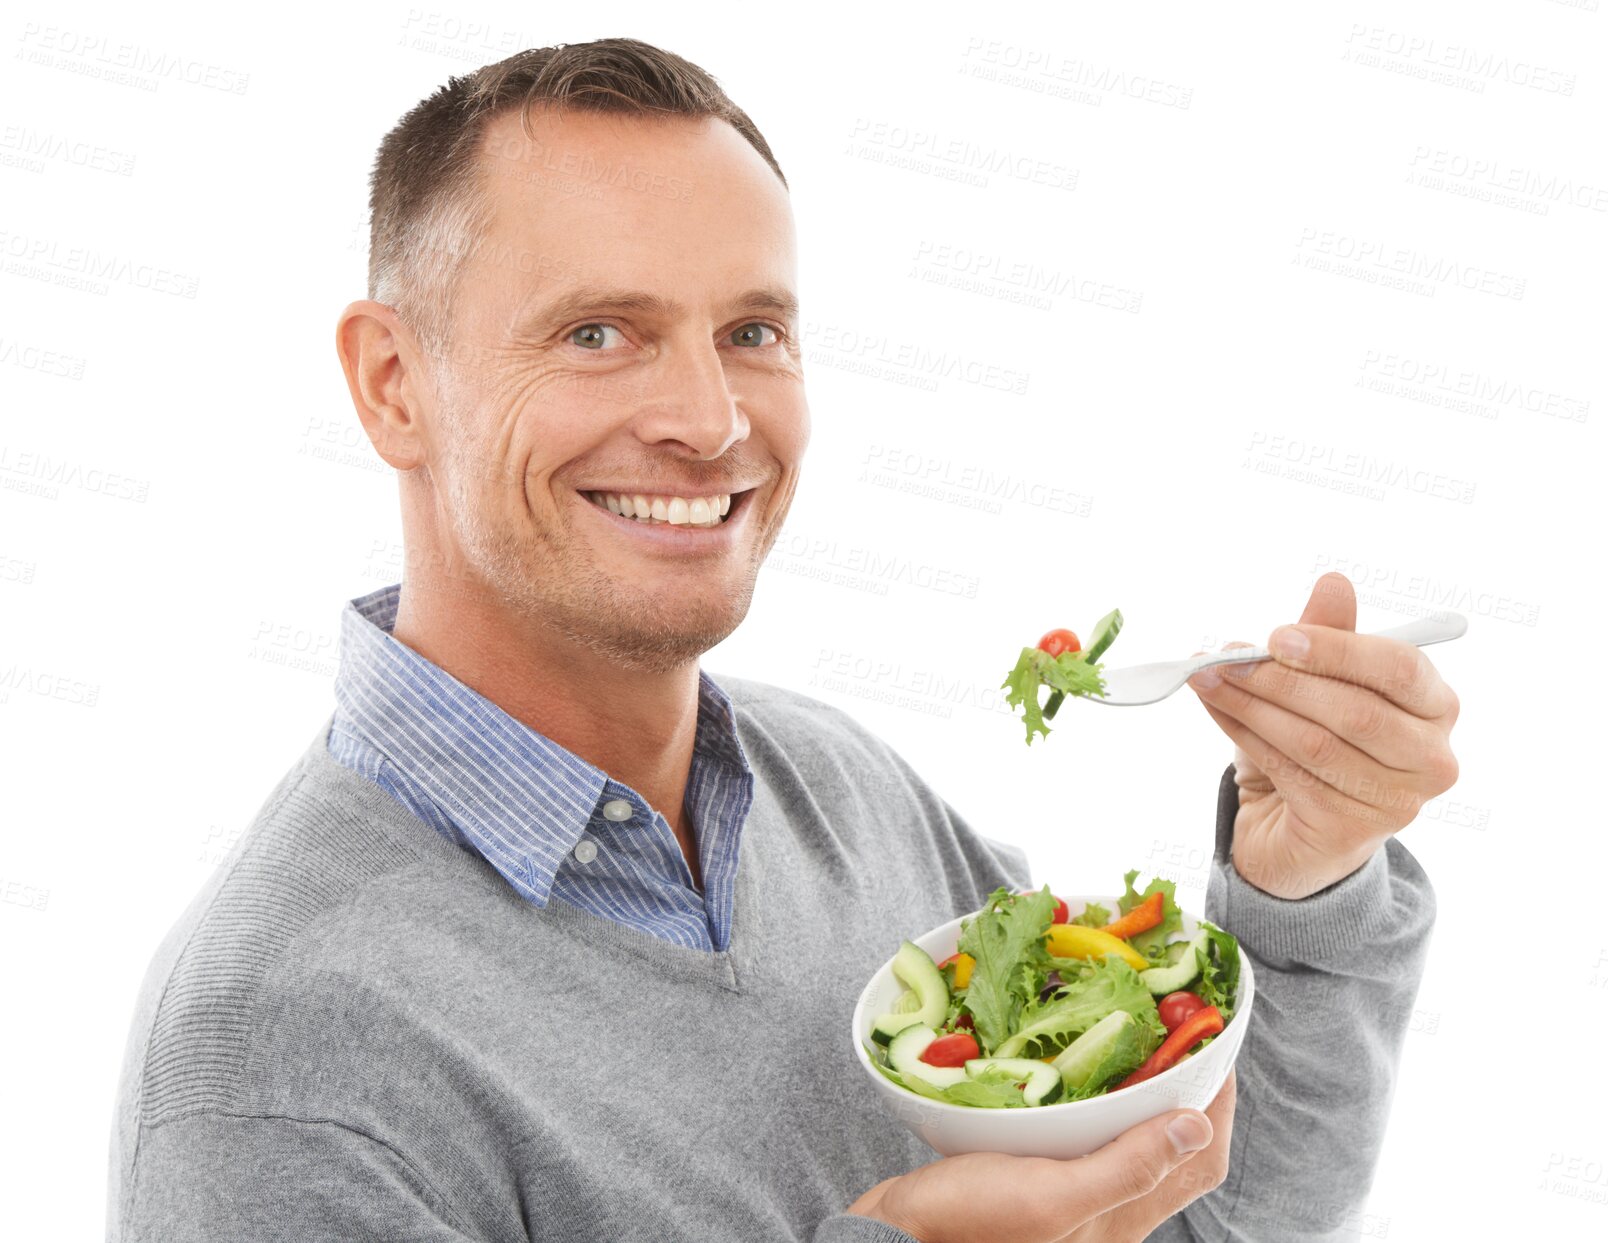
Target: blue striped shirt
{"points": [[495, 786]]}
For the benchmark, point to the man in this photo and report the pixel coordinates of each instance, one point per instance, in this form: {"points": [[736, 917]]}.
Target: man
{"points": [[549, 935]]}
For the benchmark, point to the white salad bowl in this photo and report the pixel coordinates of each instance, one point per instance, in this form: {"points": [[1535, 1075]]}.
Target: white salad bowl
{"points": [[1063, 1130]]}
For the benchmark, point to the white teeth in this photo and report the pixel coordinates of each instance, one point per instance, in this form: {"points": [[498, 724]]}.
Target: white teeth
{"points": [[697, 511]]}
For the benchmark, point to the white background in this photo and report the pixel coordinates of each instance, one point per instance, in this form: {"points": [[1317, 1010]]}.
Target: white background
{"points": [[1213, 409]]}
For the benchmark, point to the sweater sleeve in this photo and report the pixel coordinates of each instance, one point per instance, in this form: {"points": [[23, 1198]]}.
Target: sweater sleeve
{"points": [[206, 1176], [1336, 977], [853, 1228]]}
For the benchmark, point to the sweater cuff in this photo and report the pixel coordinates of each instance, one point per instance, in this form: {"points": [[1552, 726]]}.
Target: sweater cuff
{"points": [[1356, 910], [854, 1228]]}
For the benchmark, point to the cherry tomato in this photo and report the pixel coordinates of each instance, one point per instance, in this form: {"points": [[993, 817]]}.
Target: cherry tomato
{"points": [[1060, 916], [1058, 641], [1176, 1007], [953, 1050], [964, 1020]]}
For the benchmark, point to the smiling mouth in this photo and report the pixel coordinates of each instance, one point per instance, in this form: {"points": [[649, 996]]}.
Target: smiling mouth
{"points": [[664, 510]]}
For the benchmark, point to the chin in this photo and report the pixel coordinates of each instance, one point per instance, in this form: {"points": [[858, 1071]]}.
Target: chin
{"points": [[651, 634]]}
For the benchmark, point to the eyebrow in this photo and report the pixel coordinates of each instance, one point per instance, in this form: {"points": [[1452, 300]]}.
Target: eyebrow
{"points": [[594, 300]]}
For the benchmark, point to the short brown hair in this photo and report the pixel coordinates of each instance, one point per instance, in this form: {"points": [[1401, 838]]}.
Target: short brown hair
{"points": [[426, 210]]}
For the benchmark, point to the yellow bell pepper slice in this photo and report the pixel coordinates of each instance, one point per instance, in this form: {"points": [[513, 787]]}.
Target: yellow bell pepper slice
{"points": [[963, 968], [1076, 941]]}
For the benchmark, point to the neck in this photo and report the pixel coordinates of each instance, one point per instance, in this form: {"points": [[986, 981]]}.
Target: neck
{"points": [[638, 727]]}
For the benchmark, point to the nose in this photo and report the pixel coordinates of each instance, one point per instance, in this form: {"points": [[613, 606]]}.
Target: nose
{"points": [[696, 408]]}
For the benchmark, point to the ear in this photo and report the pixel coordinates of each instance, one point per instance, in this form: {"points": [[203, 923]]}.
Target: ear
{"points": [[1333, 603], [385, 375]]}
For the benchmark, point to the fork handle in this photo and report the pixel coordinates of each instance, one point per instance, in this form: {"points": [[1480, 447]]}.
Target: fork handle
{"points": [[1437, 628]]}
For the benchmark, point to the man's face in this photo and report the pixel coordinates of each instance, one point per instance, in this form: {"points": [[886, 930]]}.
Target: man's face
{"points": [[553, 394]]}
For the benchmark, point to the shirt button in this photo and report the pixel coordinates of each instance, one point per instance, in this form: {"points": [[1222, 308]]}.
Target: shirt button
{"points": [[586, 850], [617, 809]]}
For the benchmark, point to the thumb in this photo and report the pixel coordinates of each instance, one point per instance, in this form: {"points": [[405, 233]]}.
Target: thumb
{"points": [[1333, 603], [1135, 1163]]}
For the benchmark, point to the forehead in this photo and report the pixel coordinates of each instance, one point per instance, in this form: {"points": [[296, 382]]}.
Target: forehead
{"points": [[672, 206]]}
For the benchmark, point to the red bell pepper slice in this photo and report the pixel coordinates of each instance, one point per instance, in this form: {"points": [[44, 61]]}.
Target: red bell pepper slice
{"points": [[1142, 918], [1185, 1036]]}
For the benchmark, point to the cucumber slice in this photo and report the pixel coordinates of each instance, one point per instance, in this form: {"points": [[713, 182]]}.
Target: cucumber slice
{"points": [[906, 1002], [1113, 1044], [904, 1055], [914, 967], [1043, 1081], [1180, 974], [1104, 631]]}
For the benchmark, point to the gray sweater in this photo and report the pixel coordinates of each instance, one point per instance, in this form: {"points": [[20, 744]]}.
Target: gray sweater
{"points": [[357, 1030]]}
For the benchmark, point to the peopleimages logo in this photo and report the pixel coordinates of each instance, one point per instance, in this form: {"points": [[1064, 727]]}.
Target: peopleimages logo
{"points": [[1312, 462], [1374, 582], [116, 60], [973, 270], [1371, 254], [1366, 45], [1462, 388], [1485, 174], [43, 258], [1017, 65], [871, 353], [976, 159]]}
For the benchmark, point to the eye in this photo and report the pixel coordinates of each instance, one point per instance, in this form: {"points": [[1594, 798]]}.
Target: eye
{"points": [[752, 335], [593, 337]]}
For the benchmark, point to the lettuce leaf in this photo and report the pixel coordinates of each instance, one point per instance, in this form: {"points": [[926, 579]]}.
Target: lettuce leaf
{"points": [[1094, 916], [1219, 970], [1006, 943], [992, 1091], [1152, 943], [1071, 673], [1047, 1026]]}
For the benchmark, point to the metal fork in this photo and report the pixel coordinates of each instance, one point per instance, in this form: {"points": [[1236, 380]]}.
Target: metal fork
{"points": [[1148, 684]]}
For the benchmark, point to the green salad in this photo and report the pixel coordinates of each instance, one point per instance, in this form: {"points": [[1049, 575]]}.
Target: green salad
{"points": [[1064, 665], [1038, 1006]]}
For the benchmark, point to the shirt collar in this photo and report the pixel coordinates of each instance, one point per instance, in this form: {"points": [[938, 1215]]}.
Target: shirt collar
{"points": [[521, 798]]}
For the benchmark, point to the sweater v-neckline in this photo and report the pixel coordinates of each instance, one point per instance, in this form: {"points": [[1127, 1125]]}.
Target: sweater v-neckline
{"points": [[727, 969]]}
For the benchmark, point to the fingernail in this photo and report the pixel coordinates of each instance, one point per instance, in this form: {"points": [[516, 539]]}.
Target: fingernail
{"points": [[1289, 642], [1189, 1133], [1205, 679]]}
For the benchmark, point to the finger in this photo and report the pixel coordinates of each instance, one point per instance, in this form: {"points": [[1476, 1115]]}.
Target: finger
{"points": [[1388, 734], [1200, 1174], [1398, 671], [1134, 1164], [1246, 774], [1318, 804], [1313, 733]]}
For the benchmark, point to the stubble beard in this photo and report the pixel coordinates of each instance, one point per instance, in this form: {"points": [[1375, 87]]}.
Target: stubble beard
{"points": [[547, 573]]}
